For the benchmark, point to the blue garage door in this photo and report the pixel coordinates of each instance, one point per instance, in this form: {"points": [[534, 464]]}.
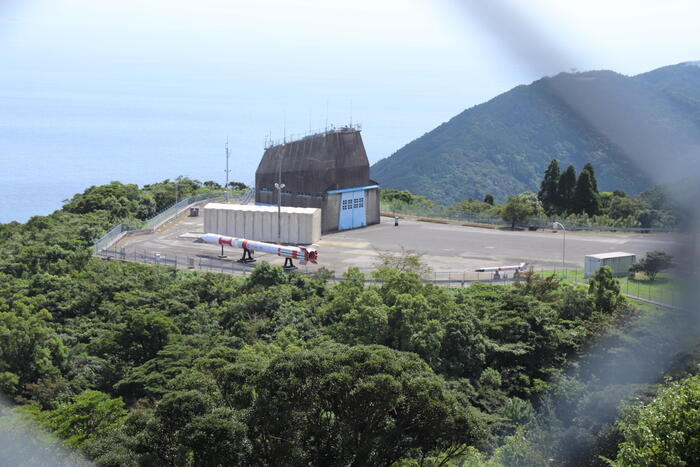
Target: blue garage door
{"points": [[352, 210]]}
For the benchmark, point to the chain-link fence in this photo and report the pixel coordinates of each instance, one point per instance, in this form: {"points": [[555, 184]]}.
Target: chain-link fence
{"points": [[666, 289], [248, 195], [441, 213], [231, 265], [159, 219], [109, 238], [666, 293], [154, 222]]}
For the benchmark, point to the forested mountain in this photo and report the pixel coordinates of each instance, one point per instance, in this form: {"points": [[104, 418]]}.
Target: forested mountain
{"points": [[635, 130]]}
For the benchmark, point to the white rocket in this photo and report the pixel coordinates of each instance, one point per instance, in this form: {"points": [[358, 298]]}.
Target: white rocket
{"points": [[517, 267], [303, 254], [522, 267]]}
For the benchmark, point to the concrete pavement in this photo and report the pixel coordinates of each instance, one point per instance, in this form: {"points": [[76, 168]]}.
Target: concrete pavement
{"points": [[445, 247]]}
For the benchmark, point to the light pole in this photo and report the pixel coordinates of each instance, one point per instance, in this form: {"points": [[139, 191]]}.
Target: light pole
{"points": [[227, 172], [279, 187], [563, 253]]}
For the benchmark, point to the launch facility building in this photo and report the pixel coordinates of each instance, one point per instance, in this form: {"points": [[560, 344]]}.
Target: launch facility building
{"points": [[328, 170]]}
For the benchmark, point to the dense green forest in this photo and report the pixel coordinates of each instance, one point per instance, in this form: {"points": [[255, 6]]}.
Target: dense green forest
{"points": [[633, 129], [142, 365], [564, 196]]}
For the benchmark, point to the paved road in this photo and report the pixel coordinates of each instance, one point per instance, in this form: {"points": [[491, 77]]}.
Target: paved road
{"points": [[444, 247]]}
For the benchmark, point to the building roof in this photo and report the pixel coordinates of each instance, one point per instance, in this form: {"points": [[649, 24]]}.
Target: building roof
{"points": [[614, 254], [358, 188]]}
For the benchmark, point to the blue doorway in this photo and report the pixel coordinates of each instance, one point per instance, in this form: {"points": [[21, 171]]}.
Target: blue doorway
{"points": [[352, 210]]}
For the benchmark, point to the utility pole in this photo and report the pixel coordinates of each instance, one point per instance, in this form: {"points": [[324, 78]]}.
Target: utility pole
{"points": [[227, 172], [279, 187], [563, 253]]}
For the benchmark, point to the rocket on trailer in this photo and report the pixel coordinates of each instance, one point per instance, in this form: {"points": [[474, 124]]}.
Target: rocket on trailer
{"points": [[303, 254], [522, 267]]}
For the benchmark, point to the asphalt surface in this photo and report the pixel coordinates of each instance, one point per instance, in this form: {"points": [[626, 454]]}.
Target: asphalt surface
{"points": [[445, 247]]}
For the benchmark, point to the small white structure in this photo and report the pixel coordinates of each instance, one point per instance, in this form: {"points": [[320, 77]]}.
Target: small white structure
{"points": [[300, 226], [618, 261]]}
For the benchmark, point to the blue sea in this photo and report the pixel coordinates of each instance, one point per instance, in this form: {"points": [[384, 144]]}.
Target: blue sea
{"points": [[55, 146], [55, 142]]}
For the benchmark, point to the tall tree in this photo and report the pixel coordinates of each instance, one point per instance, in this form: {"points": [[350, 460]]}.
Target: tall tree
{"points": [[605, 290], [585, 195], [548, 193], [589, 167], [515, 211], [654, 262], [566, 189]]}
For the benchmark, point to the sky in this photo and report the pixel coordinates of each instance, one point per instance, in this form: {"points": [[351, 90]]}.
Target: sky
{"points": [[92, 91]]}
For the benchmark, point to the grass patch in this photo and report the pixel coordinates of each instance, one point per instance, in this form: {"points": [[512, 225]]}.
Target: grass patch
{"points": [[667, 288]]}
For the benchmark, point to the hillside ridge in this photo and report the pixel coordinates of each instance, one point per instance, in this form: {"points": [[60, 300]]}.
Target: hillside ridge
{"points": [[619, 123]]}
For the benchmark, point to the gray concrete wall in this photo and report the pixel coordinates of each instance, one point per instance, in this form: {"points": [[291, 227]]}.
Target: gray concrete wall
{"points": [[372, 206], [330, 213]]}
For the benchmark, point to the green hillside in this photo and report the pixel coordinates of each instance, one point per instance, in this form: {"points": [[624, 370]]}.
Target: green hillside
{"points": [[625, 126]]}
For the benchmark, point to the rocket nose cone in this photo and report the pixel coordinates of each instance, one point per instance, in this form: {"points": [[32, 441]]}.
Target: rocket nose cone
{"points": [[209, 238]]}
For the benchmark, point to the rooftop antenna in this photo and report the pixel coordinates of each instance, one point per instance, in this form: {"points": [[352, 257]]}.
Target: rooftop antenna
{"points": [[227, 172], [350, 113], [284, 124], [326, 115]]}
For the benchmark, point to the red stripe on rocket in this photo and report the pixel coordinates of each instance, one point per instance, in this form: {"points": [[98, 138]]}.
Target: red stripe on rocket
{"points": [[303, 254]]}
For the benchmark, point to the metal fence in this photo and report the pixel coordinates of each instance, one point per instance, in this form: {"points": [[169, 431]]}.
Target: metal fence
{"points": [[159, 219], [657, 294], [495, 220], [109, 238], [230, 265], [291, 138], [665, 291], [248, 195], [152, 223]]}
